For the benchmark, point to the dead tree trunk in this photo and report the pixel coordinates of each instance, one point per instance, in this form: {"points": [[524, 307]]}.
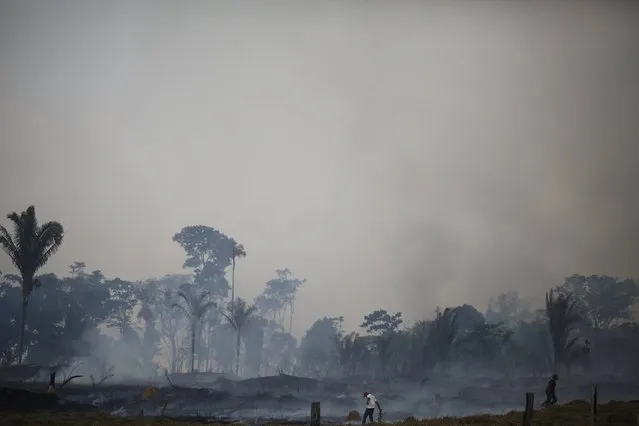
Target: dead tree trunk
{"points": [[593, 405]]}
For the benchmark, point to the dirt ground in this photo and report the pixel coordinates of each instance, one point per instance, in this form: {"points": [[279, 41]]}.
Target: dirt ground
{"points": [[576, 413], [214, 398]]}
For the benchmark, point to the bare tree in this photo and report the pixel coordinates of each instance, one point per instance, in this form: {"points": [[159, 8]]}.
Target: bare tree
{"points": [[239, 314], [194, 306]]}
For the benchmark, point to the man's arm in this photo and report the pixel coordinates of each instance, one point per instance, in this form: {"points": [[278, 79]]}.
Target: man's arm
{"points": [[378, 406]]}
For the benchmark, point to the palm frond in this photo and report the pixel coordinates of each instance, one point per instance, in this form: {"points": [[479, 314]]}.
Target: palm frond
{"points": [[184, 297], [44, 257], [238, 251], [202, 297], [179, 307], [202, 309], [230, 319], [50, 233], [9, 246], [238, 314]]}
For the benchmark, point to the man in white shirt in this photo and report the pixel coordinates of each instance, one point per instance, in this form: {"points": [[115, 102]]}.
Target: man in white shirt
{"points": [[371, 403]]}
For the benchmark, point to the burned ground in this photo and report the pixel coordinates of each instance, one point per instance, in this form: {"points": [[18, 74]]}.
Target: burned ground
{"points": [[288, 398]]}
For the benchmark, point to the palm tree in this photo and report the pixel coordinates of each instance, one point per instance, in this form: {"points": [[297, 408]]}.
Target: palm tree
{"points": [[349, 350], [194, 307], [442, 336], [561, 312], [239, 314], [29, 247], [238, 252]]}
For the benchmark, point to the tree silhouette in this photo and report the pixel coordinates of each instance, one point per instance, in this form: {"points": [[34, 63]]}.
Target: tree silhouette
{"points": [[442, 335], [239, 314], [238, 252], [380, 322], [29, 247], [279, 294], [208, 253], [562, 318], [603, 301], [194, 306], [349, 351]]}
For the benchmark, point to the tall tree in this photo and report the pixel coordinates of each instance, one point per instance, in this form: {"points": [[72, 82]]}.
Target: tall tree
{"points": [[29, 247], [380, 322], [194, 305], [508, 308], [254, 344], [209, 253], [283, 289], [603, 301], [123, 298], [148, 294], [349, 348], [279, 352], [170, 321], [562, 318], [441, 337], [317, 352], [238, 252], [76, 269], [239, 314]]}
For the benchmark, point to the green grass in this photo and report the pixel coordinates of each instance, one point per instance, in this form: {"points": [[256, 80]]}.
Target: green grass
{"points": [[575, 413]]}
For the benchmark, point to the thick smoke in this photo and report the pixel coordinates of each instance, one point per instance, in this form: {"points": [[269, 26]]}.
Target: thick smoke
{"points": [[404, 155], [500, 150]]}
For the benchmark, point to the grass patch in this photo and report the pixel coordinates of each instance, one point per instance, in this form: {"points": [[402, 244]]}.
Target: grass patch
{"points": [[575, 413]]}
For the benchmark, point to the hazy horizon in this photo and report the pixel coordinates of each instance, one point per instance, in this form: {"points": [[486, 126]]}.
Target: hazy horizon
{"points": [[404, 156]]}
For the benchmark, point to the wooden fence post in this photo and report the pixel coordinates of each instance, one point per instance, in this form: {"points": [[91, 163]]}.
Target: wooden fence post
{"points": [[315, 414], [593, 404], [528, 411]]}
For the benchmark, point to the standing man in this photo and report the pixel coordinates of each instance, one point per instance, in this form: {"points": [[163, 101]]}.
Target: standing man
{"points": [[371, 403], [551, 396]]}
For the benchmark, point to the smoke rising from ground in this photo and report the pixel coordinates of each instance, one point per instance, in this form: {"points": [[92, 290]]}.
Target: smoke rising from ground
{"points": [[404, 156]]}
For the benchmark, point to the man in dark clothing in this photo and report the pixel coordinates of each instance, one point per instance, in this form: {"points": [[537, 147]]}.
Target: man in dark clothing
{"points": [[551, 396]]}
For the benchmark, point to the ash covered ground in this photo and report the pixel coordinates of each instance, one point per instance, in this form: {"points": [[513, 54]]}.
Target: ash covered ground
{"points": [[286, 397]]}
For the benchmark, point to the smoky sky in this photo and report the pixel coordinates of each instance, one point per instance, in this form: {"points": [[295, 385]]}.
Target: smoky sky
{"points": [[398, 155]]}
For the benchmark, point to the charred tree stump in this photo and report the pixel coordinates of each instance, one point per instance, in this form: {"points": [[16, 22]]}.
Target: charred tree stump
{"points": [[528, 411], [315, 414], [593, 404]]}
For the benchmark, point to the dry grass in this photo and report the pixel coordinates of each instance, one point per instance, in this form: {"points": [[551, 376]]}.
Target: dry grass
{"points": [[575, 413]]}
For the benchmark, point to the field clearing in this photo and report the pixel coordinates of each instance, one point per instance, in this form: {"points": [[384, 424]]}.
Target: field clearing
{"points": [[575, 413]]}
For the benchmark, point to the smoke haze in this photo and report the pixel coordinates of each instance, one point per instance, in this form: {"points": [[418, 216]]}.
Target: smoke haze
{"points": [[399, 154]]}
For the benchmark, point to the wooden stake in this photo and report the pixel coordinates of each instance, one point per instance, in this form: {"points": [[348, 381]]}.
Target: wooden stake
{"points": [[593, 404], [528, 411], [315, 414]]}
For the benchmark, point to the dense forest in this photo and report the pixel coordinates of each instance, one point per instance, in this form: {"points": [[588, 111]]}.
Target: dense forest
{"points": [[193, 321]]}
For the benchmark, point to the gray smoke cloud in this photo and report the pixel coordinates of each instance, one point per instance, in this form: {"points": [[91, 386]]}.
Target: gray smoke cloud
{"points": [[398, 155]]}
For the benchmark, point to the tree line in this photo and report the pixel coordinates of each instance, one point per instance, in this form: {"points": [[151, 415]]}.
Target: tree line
{"points": [[189, 322], [189, 318], [585, 327]]}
